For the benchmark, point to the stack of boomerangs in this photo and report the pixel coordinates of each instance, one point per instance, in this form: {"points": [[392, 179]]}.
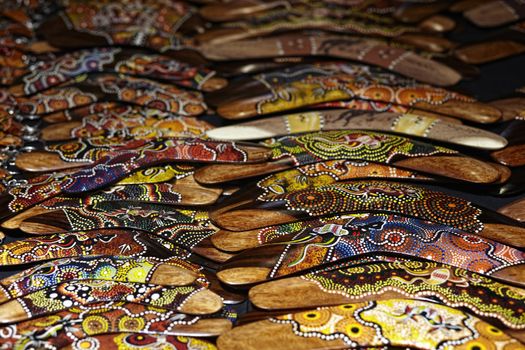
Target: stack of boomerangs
{"points": [[251, 174]]}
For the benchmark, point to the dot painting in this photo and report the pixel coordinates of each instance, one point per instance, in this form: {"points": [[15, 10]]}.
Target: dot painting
{"points": [[350, 145], [454, 287], [388, 197], [397, 322], [381, 233]]}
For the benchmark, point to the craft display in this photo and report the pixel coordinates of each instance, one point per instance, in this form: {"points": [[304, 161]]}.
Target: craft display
{"points": [[373, 200], [297, 150]]}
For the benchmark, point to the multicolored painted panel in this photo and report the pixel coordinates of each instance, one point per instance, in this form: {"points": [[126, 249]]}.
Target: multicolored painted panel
{"points": [[350, 145], [455, 287]]}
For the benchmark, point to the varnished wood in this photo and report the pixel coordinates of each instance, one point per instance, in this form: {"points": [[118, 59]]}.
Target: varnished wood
{"points": [[438, 23], [232, 241], [170, 275], [492, 14], [39, 161], [466, 169], [515, 210], [203, 302], [513, 155], [511, 108], [238, 9], [60, 131], [412, 65], [489, 51], [282, 294]]}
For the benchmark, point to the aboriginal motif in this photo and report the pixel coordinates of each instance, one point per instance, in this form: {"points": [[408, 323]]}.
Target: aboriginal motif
{"points": [[158, 174], [319, 21], [140, 23], [146, 123], [365, 105], [67, 67], [119, 164], [107, 88], [143, 216], [350, 145], [54, 100], [162, 193], [166, 68], [71, 294], [131, 341], [150, 94], [342, 86], [96, 243], [379, 196], [325, 173], [454, 287], [114, 268], [386, 234], [67, 326], [398, 322], [87, 150], [115, 60]]}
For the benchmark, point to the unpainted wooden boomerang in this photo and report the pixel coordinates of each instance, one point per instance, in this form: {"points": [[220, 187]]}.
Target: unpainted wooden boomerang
{"points": [[394, 322], [296, 150], [453, 287], [369, 196], [410, 124]]}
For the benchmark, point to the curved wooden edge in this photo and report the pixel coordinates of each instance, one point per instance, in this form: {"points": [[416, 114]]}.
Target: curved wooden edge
{"points": [[239, 276], [511, 108], [472, 111], [170, 275], [249, 219], [220, 173], [283, 294], [490, 14], [488, 51], [204, 302], [256, 154], [504, 172], [41, 161], [513, 274], [426, 42], [15, 221], [455, 167], [438, 24], [515, 210], [205, 327], [266, 335], [50, 222], [12, 311], [231, 241], [513, 156], [60, 131], [212, 253], [506, 234], [214, 83]]}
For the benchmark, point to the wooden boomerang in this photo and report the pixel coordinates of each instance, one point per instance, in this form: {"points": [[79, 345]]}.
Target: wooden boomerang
{"points": [[191, 299], [453, 287], [374, 234], [368, 324], [240, 214], [407, 124], [398, 60], [292, 151]]}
